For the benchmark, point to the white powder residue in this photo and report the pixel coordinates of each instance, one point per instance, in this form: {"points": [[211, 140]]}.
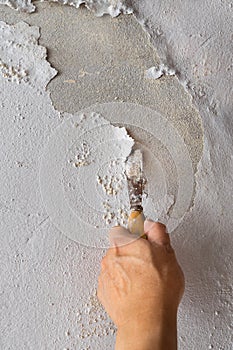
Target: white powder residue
{"points": [[22, 60], [100, 7], [157, 72]]}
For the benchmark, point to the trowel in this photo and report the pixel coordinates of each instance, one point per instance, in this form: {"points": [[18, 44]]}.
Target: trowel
{"points": [[136, 184]]}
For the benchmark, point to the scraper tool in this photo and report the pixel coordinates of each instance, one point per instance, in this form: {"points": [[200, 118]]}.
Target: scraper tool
{"points": [[136, 184]]}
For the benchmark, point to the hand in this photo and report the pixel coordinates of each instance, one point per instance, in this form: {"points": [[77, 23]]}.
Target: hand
{"points": [[140, 286]]}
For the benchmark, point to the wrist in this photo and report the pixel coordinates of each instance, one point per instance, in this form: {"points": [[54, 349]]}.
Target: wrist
{"points": [[148, 333]]}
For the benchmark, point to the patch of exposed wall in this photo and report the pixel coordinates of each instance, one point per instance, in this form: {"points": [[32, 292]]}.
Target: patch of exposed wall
{"points": [[39, 256], [84, 165], [203, 242], [82, 172], [36, 279], [195, 38], [114, 72], [100, 7]]}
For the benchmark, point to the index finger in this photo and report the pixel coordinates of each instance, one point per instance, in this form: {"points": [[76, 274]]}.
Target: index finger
{"points": [[120, 236], [122, 242], [156, 232]]}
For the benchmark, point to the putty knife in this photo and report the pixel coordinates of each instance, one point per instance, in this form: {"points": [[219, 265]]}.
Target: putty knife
{"points": [[136, 184]]}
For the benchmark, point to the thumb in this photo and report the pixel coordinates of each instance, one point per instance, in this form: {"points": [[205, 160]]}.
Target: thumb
{"points": [[156, 232], [119, 236]]}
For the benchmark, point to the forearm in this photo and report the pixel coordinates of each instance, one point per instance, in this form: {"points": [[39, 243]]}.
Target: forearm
{"points": [[161, 335]]}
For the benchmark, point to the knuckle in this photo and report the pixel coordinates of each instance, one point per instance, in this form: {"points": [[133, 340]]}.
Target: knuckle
{"points": [[144, 250]]}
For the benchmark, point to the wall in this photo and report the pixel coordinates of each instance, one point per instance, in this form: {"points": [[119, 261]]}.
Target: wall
{"points": [[47, 280]]}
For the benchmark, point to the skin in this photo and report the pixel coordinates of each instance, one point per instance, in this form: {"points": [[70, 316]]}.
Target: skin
{"points": [[140, 286]]}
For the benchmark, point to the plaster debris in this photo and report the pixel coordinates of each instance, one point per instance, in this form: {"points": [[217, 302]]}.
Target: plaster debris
{"points": [[20, 5], [82, 156], [100, 7], [110, 185], [159, 71], [203, 241], [115, 216], [22, 59], [98, 151], [92, 319], [164, 201], [97, 194], [15, 74]]}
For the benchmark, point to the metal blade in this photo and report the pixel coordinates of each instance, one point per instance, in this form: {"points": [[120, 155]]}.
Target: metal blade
{"points": [[136, 181]]}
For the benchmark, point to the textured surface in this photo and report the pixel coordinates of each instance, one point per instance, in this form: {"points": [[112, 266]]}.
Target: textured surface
{"points": [[196, 40], [100, 7], [47, 301]]}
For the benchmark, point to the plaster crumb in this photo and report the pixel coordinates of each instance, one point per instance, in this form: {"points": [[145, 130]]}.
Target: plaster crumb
{"points": [[82, 156], [99, 7], [15, 74], [157, 72], [114, 217], [92, 319], [112, 184]]}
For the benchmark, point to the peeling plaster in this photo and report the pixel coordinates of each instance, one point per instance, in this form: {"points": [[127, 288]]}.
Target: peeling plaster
{"points": [[159, 71], [184, 38], [100, 7]]}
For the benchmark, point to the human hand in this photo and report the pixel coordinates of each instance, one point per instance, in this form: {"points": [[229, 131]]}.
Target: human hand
{"points": [[140, 286]]}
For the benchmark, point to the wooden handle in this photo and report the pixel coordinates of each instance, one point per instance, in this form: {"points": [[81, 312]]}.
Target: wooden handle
{"points": [[136, 223]]}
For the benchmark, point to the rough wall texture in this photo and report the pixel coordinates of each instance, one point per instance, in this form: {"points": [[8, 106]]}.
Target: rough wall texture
{"points": [[47, 301]]}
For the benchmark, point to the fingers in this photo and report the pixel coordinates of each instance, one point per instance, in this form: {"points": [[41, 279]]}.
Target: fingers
{"points": [[121, 239], [120, 236], [156, 232]]}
